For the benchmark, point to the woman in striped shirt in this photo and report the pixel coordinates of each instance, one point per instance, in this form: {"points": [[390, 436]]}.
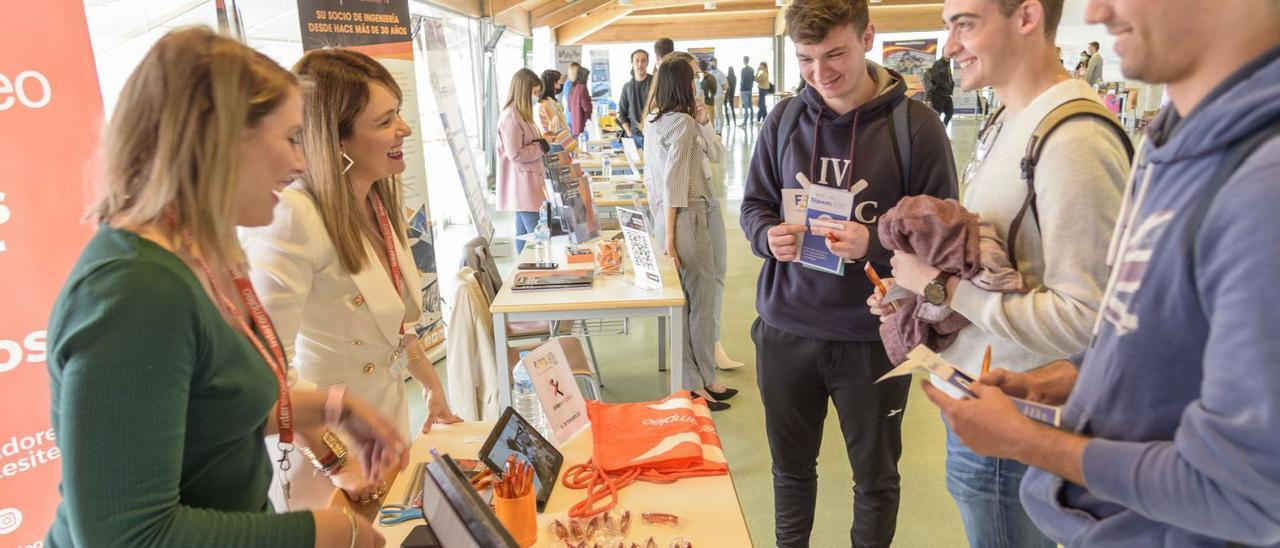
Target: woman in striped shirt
{"points": [[688, 220]]}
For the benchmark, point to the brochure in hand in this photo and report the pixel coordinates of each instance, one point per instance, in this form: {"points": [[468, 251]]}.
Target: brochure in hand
{"points": [[530, 280], [955, 383], [825, 206]]}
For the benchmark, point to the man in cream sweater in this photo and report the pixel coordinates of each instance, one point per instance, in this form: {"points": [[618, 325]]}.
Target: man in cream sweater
{"points": [[1009, 45]]}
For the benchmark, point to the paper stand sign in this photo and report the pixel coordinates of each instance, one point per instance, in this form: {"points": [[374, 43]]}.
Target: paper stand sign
{"points": [[557, 391], [632, 154], [955, 383], [640, 248]]}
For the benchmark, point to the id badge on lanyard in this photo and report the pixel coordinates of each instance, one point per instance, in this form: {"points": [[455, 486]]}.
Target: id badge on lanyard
{"points": [[399, 358]]}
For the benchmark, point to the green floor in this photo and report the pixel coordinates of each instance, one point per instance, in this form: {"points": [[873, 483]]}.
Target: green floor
{"points": [[927, 517]]}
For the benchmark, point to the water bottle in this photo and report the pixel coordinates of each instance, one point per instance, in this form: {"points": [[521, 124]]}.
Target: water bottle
{"points": [[542, 238], [525, 400]]}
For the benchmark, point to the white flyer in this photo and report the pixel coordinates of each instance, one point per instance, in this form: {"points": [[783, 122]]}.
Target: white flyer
{"points": [[826, 204], [955, 383], [643, 260], [557, 391]]}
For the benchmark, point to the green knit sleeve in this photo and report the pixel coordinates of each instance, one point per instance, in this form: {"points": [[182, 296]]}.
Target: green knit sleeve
{"points": [[124, 355]]}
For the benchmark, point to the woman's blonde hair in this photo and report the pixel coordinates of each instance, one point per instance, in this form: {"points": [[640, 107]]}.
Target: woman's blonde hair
{"points": [[650, 103], [173, 144], [338, 84], [523, 84]]}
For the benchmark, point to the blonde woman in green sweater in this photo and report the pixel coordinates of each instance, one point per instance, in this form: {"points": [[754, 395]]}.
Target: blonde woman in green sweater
{"points": [[165, 372]]}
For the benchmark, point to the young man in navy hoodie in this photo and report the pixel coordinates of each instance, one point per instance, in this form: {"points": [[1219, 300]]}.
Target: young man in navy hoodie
{"points": [[1171, 424], [815, 339]]}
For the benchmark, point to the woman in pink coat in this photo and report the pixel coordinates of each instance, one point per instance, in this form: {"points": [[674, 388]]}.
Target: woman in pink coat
{"points": [[580, 102], [520, 149]]}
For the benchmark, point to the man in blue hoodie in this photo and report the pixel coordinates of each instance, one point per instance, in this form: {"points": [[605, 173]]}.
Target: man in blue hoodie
{"points": [[815, 339], [1171, 428]]}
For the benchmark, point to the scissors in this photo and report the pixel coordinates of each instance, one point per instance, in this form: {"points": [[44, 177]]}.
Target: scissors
{"points": [[392, 514]]}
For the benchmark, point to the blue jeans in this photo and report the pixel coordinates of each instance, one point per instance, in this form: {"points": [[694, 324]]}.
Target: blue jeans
{"points": [[638, 138], [526, 221], [986, 491]]}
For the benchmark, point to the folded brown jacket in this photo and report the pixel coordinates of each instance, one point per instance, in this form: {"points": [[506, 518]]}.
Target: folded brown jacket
{"points": [[946, 235]]}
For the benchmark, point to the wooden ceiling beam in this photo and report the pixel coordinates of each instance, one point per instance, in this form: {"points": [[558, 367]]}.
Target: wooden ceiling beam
{"points": [[721, 7], [556, 13], [516, 20], [574, 31], [494, 8], [907, 18], [729, 27]]}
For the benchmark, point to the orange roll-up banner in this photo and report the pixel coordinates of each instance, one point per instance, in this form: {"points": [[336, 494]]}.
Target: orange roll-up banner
{"points": [[50, 118]]}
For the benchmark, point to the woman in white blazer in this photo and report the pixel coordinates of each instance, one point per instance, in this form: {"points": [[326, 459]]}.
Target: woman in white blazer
{"points": [[334, 270]]}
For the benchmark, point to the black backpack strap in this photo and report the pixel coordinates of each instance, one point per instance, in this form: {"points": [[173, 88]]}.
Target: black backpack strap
{"points": [[791, 108], [901, 128], [1074, 108]]}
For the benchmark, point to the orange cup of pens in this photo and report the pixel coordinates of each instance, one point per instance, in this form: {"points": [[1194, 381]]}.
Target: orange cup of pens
{"points": [[515, 504]]}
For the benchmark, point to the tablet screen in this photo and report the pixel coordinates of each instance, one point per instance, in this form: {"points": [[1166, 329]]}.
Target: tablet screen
{"points": [[512, 435]]}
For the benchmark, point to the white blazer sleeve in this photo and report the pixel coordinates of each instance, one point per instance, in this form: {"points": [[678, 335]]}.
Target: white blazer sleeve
{"points": [[712, 146], [282, 263]]}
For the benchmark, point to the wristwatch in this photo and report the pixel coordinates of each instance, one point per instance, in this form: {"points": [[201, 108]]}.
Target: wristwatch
{"points": [[935, 292]]}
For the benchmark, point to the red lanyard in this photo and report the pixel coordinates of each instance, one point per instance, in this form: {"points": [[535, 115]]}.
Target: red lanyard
{"points": [[275, 357], [388, 241]]}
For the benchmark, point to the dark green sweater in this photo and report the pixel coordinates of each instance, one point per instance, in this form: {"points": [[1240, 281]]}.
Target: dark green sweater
{"points": [[159, 409]]}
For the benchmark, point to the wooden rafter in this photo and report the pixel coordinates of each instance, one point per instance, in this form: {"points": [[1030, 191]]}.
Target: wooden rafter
{"points": [[556, 13], [728, 25], [577, 29]]}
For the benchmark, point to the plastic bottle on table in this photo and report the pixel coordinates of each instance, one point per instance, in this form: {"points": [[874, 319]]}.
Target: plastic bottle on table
{"points": [[542, 237], [525, 399]]}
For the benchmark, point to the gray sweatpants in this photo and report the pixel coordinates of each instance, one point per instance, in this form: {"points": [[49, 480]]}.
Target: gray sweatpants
{"points": [[700, 241]]}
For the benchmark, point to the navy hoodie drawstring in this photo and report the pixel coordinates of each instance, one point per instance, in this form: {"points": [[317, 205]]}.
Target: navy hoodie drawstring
{"points": [[813, 157]]}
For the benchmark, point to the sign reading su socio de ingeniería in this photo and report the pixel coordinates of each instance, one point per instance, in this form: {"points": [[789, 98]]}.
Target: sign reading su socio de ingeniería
{"points": [[370, 24]]}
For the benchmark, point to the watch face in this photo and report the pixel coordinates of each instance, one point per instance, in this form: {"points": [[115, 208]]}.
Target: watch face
{"points": [[935, 293]]}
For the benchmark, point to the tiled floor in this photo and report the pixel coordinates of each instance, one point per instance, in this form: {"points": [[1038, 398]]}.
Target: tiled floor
{"points": [[927, 517]]}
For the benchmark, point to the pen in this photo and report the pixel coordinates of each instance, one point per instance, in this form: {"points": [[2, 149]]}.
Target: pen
{"points": [[875, 280], [986, 361]]}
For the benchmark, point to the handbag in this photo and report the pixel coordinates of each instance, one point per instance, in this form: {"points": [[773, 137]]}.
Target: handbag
{"points": [[658, 442]]}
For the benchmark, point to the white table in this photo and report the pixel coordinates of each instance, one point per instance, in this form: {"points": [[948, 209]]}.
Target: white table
{"points": [[610, 297], [707, 506]]}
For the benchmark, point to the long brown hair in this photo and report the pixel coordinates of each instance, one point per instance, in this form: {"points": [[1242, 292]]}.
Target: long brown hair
{"points": [[173, 144], [520, 93], [338, 83], [653, 87], [672, 90]]}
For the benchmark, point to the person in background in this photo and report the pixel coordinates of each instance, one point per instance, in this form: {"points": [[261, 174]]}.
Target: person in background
{"points": [[730, 91], [663, 47], [1061, 253], [746, 81], [579, 105], [634, 94], [566, 91], [1093, 70], [763, 88], [520, 148], [816, 342], [1169, 416], [326, 247], [941, 86], [550, 116], [708, 85], [164, 374], [693, 228], [713, 149], [722, 84]]}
